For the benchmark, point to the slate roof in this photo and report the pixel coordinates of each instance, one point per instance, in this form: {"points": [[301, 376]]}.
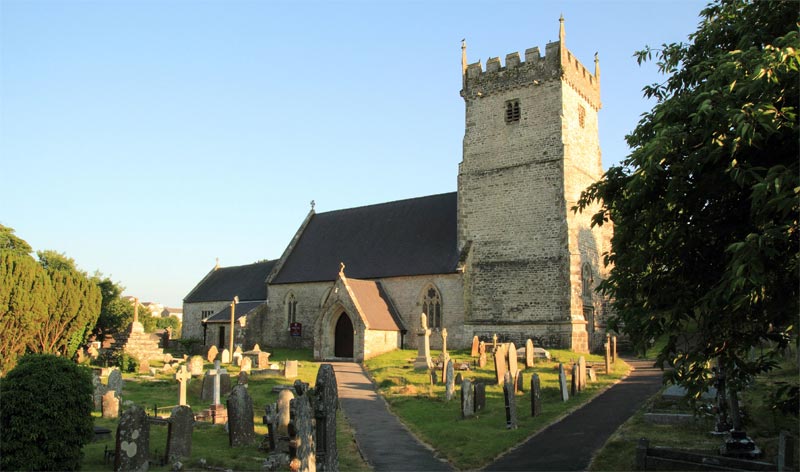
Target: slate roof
{"points": [[242, 309], [375, 305], [405, 237], [248, 282]]}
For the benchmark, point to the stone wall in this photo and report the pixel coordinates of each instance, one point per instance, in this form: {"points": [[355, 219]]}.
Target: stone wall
{"points": [[377, 342], [192, 327], [272, 327]]}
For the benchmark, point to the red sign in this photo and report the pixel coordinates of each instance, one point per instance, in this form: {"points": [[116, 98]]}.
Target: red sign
{"points": [[296, 329]]}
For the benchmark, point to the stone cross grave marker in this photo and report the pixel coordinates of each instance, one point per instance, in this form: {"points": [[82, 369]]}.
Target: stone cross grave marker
{"points": [[241, 430], [183, 377], [512, 359], [574, 380], [226, 356], [529, 353], [217, 376], [480, 396], [325, 406], [115, 382], [290, 369], [133, 440], [500, 367], [444, 342], [494, 342], [302, 448], [467, 399], [581, 373], [475, 344], [212, 353], [562, 383], [110, 405], [423, 360], [449, 381], [511, 401], [207, 393], [179, 433], [536, 396], [196, 366]]}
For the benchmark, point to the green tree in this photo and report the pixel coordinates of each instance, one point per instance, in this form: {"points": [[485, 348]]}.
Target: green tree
{"points": [[54, 260], [116, 313], [10, 242], [705, 208]]}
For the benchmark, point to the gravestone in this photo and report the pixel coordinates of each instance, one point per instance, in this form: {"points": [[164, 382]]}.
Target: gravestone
{"points": [[511, 401], [481, 348], [131, 452], [591, 375], [512, 359], [423, 360], [207, 391], [519, 382], [241, 430], [536, 396], [242, 378], [459, 378], [445, 355], [574, 380], [482, 360], [115, 382], [215, 377], [562, 383], [326, 403], [607, 347], [449, 381], [99, 391], [212, 353], [480, 397], [434, 379], [529, 353], [258, 358], [445, 360], [467, 399], [290, 369], [302, 449], [179, 433], [284, 399], [270, 419], [226, 356], [246, 364], [237, 356], [581, 374], [494, 343], [196, 366], [144, 366], [183, 377], [475, 346], [613, 349], [500, 368], [110, 405]]}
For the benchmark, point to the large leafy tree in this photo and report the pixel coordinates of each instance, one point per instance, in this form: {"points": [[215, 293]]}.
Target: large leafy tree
{"points": [[705, 208]]}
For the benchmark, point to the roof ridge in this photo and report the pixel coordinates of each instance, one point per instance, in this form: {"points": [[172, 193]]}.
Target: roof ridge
{"points": [[372, 205]]}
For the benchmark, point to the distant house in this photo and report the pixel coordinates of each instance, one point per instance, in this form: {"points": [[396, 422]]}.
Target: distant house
{"points": [[176, 312], [207, 308]]}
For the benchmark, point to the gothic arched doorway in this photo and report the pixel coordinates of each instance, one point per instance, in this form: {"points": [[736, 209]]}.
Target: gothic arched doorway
{"points": [[343, 344]]}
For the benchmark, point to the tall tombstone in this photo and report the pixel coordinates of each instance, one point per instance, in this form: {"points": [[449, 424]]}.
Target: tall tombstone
{"points": [[512, 359], [536, 396], [511, 401], [607, 346], [207, 390], [179, 433], [482, 360], [290, 369], [284, 399], [196, 366], [302, 448], [613, 349], [445, 360], [131, 452], [449, 381], [500, 368], [529, 353], [212, 353], [110, 405], [327, 402], [241, 431], [574, 380], [226, 356], [444, 343], [480, 397], [562, 383], [115, 382], [519, 381], [423, 360], [467, 399], [475, 345], [581, 373]]}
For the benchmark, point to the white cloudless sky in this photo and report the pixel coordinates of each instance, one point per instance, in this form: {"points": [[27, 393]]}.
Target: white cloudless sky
{"points": [[146, 138]]}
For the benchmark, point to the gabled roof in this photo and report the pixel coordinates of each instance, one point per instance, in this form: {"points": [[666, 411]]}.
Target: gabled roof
{"points": [[406, 237], [242, 309], [248, 282], [374, 304]]}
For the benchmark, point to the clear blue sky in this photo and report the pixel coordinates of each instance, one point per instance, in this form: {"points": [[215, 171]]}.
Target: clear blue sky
{"points": [[146, 138]]}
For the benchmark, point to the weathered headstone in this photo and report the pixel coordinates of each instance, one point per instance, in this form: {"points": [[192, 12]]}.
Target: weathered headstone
{"points": [[459, 378], [613, 349], [467, 399], [133, 441], [512, 359], [179, 433], [271, 421], [591, 374], [183, 377], [241, 430], [519, 382], [242, 379], [302, 447], [445, 360], [434, 378], [482, 360], [562, 383], [144, 366], [449, 381], [480, 397], [475, 346], [607, 346], [207, 391], [536, 396], [246, 364], [325, 406], [529, 353], [115, 382], [511, 401], [196, 366], [581, 373], [481, 348], [423, 360], [110, 405], [212, 353], [574, 380], [237, 356], [284, 399], [99, 390], [226, 356], [290, 369], [500, 368]]}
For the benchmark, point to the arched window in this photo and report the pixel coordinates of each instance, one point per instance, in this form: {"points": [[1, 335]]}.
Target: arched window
{"points": [[291, 309], [432, 307], [587, 279]]}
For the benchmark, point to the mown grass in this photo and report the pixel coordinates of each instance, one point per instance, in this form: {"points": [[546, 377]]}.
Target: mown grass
{"points": [[762, 424], [210, 442], [472, 443]]}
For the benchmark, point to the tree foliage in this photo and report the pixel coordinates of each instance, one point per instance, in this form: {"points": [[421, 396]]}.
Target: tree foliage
{"points": [[11, 242], [705, 208], [45, 415]]}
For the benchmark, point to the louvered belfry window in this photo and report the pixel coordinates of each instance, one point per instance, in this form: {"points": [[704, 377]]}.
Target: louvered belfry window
{"points": [[512, 111]]}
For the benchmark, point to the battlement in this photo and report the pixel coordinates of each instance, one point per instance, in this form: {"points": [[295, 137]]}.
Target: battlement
{"points": [[558, 63]]}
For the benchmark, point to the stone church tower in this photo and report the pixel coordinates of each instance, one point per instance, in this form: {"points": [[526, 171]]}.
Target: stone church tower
{"points": [[530, 147]]}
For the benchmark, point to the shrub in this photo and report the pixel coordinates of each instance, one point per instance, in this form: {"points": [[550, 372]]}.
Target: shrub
{"points": [[45, 414], [127, 363]]}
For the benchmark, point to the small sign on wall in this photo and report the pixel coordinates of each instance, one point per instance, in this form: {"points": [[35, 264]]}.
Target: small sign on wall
{"points": [[296, 329]]}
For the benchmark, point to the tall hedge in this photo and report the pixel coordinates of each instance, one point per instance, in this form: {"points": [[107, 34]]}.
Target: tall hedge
{"points": [[45, 414]]}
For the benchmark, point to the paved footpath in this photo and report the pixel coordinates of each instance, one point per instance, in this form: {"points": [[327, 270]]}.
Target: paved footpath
{"points": [[571, 443], [385, 443]]}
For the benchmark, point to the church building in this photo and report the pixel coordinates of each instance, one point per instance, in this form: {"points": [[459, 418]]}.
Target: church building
{"points": [[504, 255]]}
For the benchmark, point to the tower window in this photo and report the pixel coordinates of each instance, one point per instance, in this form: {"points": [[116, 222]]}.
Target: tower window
{"points": [[512, 111], [432, 307], [581, 115]]}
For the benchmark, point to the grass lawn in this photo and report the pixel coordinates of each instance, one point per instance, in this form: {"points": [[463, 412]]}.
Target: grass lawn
{"points": [[211, 442], [762, 425], [472, 443]]}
